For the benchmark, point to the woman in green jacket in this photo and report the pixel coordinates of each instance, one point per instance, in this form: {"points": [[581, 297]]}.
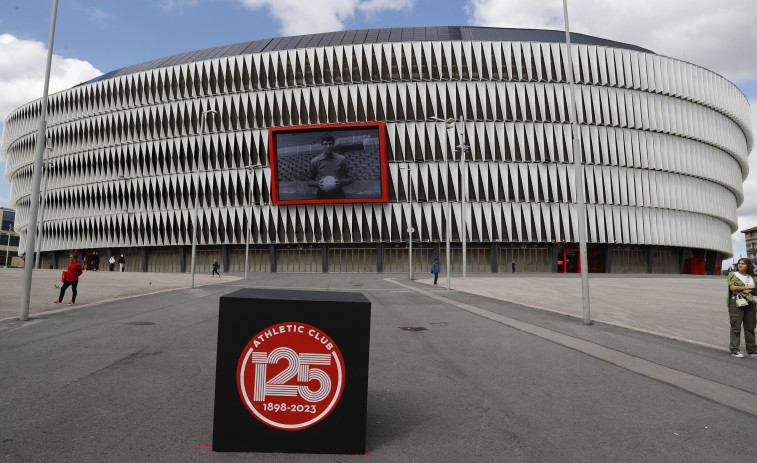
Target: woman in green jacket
{"points": [[742, 282]]}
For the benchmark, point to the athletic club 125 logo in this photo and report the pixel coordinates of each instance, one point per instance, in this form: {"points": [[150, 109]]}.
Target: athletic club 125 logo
{"points": [[291, 376]]}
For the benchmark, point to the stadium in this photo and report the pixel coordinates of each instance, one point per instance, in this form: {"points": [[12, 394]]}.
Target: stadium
{"points": [[664, 144]]}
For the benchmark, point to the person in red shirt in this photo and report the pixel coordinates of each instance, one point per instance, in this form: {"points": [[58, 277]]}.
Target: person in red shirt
{"points": [[70, 278]]}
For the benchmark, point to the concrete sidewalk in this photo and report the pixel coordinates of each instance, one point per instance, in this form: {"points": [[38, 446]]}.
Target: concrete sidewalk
{"points": [[690, 308], [94, 288]]}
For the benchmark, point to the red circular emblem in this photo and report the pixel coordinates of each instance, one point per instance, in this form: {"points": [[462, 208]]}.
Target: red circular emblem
{"points": [[290, 376]]}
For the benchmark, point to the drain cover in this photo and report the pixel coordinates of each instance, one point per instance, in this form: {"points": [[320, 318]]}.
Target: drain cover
{"points": [[139, 323], [412, 328]]}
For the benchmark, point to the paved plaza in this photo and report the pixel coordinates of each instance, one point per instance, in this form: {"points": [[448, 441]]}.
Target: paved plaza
{"points": [[93, 288], [684, 307], [500, 368]]}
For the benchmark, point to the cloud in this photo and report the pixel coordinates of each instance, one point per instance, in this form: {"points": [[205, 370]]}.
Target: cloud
{"points": [[176, 4], [719, 38], [313, 16], [4, 188], [22, 72], [372, 7], [96, 14]]}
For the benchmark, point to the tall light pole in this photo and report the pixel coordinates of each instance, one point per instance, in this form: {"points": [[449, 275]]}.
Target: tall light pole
{"points": [[578, 163], [464, 196], [37, 178], [410, 229], [251, 169], [44, 202], [450, 125], [203, 121], [462, 147]]}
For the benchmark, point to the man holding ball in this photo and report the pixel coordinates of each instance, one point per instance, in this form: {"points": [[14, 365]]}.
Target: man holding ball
{"points": [[329, 172]]}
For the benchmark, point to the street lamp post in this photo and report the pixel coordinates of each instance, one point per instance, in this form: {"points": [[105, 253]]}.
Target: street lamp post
{"points": [[578, 163], [46, 167], [410, 229], [450, 124], [464, 196], [449, 232], [251, 169], [203, 121], [26, 292], [463, 147]]}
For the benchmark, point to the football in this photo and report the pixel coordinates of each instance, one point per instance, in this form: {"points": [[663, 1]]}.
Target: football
{"points": [[328, 184]]}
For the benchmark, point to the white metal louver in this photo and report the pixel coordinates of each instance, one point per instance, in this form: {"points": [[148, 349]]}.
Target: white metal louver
{"points": [[665, 143]]}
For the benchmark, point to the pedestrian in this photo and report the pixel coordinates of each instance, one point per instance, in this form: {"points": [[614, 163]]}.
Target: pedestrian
{"points": [[216, 266], [70, 278], [435, 270], [112, 262], [513, 266], [96, 261], [741, 286], [122, 263]]}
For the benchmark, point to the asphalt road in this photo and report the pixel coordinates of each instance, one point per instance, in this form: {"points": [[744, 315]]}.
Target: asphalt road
{"points": [[132, 379]]}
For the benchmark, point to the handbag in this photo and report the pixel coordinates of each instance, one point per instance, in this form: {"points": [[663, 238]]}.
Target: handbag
{"points": [[741, 301]]}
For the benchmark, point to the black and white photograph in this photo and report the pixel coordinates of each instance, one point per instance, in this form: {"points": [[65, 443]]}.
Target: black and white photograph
{"points": [[335, 164]]}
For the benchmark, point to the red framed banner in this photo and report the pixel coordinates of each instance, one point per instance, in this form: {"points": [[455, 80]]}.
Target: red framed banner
{"points": [[333, 163]]}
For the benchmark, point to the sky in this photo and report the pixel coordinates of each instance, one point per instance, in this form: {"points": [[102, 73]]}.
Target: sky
{"points": [[94, 36]]}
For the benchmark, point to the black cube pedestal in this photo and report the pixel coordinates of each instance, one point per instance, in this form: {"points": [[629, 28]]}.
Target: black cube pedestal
{"points": [[292, 372]]}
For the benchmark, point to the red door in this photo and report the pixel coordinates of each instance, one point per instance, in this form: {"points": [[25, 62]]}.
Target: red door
{"points": [[571, 261]]}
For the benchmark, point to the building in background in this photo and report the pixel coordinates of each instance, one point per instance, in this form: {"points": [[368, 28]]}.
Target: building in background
{"points": [[664, 144], [750, 236], [9, 240]]}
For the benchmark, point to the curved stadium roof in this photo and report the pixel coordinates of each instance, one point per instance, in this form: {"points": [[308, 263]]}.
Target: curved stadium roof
{"points": [[403, 34]]}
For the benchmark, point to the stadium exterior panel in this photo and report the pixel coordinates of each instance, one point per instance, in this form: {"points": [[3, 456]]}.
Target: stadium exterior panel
{"points": [[664, 145]]}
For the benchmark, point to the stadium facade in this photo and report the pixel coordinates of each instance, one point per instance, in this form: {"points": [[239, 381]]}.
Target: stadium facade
{"points": [[664, 143]]}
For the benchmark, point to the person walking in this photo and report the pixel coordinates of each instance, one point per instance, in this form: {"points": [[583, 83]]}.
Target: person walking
{"points": [[741, 285], [513, 266], [122, 263], [435, 270], [216, 266], [70, 278], [112, 262]]}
